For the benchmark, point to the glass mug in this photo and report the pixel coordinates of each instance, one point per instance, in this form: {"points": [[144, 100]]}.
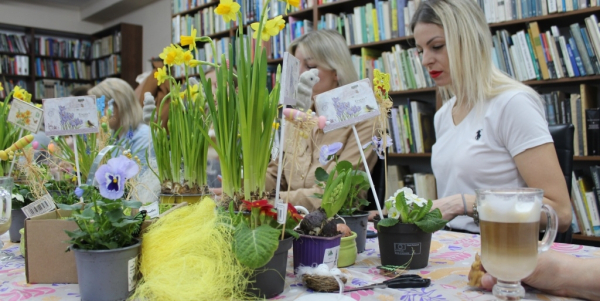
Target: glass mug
{"points": [[6, 186], [509, 220]]}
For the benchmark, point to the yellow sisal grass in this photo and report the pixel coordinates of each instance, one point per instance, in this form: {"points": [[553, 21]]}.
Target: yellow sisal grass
{"points": [[187, 255]]}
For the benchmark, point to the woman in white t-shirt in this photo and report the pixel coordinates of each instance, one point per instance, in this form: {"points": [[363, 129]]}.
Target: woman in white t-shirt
{"points": [[491, 133]]}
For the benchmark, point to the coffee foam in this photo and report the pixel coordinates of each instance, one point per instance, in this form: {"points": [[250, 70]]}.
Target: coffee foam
{"points": [[501, 209]]}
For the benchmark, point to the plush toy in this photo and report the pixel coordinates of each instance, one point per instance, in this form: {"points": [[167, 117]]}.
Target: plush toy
{"points": [[306, 83]]}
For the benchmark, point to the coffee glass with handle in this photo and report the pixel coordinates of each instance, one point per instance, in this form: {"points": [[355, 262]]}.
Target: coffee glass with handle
{"points": [[509, 220], [6, 186]]}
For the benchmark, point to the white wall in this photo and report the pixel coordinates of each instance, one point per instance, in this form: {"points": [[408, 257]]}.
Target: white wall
{"points": [[23, 14], [155, 19]]}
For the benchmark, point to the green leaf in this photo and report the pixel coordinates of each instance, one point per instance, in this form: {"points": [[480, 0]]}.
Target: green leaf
{"points": [[343, 166], [431, 225], [387, 222], [424, 211], [402, 207], [132, 204], [321, 174], [254, 248], [292, 233], [412, 216]]}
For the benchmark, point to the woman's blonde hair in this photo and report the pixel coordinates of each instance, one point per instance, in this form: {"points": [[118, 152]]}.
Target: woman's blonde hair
{"points": [[130, 110], [329, 50], [469, 44]]}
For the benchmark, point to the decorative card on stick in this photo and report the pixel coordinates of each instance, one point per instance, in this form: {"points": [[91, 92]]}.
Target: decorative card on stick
{"points": [[70, 115], [290, 74], [347, 105], [25, 115]]}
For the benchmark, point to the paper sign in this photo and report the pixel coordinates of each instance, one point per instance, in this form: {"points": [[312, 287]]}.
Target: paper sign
{"points": [[132, 273], [25, 115], [151, 209], [290, 76], [70, 115], [347, 105], [44, 205], [281, 213], [330, 257]]}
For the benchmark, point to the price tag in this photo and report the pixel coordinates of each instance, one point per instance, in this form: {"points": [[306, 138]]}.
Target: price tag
{"points": [[281, 212], [151, 209], [44, 205], [132, 273]]}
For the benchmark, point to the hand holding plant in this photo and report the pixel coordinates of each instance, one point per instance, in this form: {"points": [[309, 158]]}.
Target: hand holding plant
{"points": [[406, 207]]}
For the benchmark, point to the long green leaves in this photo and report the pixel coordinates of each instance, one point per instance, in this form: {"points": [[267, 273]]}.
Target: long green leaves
{"points": [[9, 133]]}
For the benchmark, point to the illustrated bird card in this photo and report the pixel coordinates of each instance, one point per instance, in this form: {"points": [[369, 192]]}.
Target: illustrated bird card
{"points": [[71, 115], [347, 105], [25, 115], [290, 74]]}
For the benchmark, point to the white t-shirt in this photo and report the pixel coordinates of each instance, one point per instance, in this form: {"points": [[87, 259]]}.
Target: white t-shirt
{"points": [[479, 151]]}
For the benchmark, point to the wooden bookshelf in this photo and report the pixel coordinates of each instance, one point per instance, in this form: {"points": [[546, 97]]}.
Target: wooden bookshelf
{"points": [[129, 51]]}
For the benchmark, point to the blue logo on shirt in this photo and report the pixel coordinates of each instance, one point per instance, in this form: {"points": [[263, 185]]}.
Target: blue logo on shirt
{"points": [[478, 135]]}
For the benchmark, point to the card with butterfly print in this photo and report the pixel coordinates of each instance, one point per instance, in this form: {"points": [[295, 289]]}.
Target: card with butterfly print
{"points": [[347, 105], [71, 115]]}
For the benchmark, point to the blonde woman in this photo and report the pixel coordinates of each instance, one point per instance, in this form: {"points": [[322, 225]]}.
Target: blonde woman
{"points": [[326, 51], [491, 130], [126, 115]]}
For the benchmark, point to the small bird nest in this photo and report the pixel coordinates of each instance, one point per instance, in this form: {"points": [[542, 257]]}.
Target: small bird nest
{"points": [[322, 283]]}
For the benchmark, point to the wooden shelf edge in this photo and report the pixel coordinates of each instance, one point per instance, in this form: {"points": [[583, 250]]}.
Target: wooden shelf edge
{"points": [[561, 80], [411, 155], [105, 56], [586, 158], [64, 79], [299, 12], [193, 10], [15, 75], [60, 58], [585, 237], [547, 17], [274, 61], [335, 3], [378, 43], [414, 91], [13, 53]]}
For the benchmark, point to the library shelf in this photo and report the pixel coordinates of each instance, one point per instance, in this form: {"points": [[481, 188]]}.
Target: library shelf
{"points": [[586, 158], [387, 42], [300, 13], [107, 76], [106, 56], [411, 155], [549, 17], [61, 58], [564, 80], [586, 238], [15, 76], [413, 91], [84, 81], [275, 61], [197, 8], [13, 53]]}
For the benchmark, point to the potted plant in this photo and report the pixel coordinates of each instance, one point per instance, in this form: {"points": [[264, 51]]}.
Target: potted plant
{"points": [[105, 244], [257, 244], [405, 235], [21, 197]]}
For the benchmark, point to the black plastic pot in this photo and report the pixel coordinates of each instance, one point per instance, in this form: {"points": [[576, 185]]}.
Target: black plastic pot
{"points": [[269, 281], [358, 224], [17, 223], [402, 243]]}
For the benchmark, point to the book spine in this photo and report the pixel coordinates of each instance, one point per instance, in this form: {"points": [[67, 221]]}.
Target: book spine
{"points": [[592, 118]]}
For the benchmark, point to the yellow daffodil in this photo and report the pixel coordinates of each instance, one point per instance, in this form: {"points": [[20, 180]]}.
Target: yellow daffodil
{"points": [[228, 9], [194, 63], [187, 57], [189, 40], [1, 88], [294, 3], [21, 94], [270, 29], [172, 55], [161, 75]]}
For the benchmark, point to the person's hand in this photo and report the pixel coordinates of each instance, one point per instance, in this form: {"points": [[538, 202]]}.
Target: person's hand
{"points": [[306, 83], [372, 214], [546, 277], [450, 206], [149, 106]]}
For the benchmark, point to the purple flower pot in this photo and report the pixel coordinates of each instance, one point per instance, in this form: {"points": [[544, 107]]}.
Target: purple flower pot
{"points": [[313, 250]]}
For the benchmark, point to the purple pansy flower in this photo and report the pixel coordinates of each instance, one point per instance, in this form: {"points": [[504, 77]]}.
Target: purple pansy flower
{"points": [[112, 176], [78, 192], [327, 152], [378, 145]]}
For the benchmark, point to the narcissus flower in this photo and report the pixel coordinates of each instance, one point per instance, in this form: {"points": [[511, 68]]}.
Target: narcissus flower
{"points": [[161, 75], [270, 29], [21, 94], [187, 57], [189, 40], [172, 55], [294, 3], [228, 9], [1, 88]]}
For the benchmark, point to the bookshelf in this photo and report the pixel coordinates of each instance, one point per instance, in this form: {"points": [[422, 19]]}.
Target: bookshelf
{"points": [[337, 14], [117, 52], [50, 63]]}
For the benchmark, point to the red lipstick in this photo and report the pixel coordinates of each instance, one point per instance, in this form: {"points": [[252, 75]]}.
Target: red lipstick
{"points": [[434, 73]]}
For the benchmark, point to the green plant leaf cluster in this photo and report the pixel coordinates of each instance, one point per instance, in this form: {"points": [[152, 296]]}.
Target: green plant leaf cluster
{"points": [[9, 133], [422, 216], [102, 223], [24, 191], [342, 187], [255, 247]]}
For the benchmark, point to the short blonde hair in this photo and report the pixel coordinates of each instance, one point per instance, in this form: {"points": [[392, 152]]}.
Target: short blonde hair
{"points": [[475, 78], [130, 110], [329, 50]]}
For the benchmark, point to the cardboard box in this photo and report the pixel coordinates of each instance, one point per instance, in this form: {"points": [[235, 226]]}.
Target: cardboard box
{"points": [[45, 245]]}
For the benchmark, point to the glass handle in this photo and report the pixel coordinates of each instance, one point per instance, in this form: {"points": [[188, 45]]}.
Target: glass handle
{"points": [[551, 229]]}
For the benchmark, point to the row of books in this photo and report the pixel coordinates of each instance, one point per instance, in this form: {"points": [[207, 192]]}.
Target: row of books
{"points": [[106, 67], [178, 6], [47, 88], [14, 65], [14, 43], [500, 10], [9, 85], [585, 196], [62, 48], [581, 110], [533, 54], [422, 184], [251, 9], [280, 43], [411, 127], [205, 21], [107, 45], [62, 69]]}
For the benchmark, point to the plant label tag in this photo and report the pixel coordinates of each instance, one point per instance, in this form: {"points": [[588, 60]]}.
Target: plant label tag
{"points": [[347, 105], [151, 209], [71, 115], [132, 273], [44, 205], [411, 248], [330, 257], [290, 76], [281, 212], [25, 115]]}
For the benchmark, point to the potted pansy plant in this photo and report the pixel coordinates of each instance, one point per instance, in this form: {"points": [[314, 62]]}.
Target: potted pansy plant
{"points": [[106, 243], [405, 235]]}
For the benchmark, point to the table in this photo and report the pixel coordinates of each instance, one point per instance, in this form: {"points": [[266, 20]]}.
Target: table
{"points": [[450, 259]]}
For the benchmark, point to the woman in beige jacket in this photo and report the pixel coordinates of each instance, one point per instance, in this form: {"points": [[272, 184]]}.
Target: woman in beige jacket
{"points": [[326, 51]]}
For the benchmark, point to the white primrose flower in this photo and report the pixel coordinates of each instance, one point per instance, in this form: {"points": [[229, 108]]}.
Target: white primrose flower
{"points": [[394, 213]]}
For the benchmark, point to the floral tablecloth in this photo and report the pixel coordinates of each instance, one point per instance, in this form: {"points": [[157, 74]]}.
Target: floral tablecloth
{"points": [[449, 263]]}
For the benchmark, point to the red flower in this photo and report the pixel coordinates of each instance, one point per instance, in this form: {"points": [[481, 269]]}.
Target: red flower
{"points": [[257, 204]]}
